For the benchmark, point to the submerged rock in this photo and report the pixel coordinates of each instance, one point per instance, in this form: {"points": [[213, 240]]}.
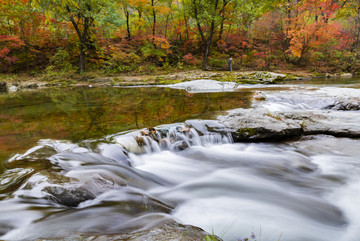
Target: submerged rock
{"points": [[163, 232]]}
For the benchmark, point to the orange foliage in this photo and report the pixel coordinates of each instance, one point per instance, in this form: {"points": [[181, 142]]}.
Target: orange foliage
{"points": [[312, 27]]}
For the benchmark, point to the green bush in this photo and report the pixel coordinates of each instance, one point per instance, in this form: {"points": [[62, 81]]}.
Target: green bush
{"points": [[121, 62], [218, 63], [61, 61]]}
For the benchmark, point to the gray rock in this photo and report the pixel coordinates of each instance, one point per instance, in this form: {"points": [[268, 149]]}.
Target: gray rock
{"points": [[346, 75], [13, 88], [205, 85], [265, 77], [260, 125], [345, 105], [170, 231]]}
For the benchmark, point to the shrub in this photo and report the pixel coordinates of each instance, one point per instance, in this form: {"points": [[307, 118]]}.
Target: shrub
{"points": [[61, 61], [190, 59]]}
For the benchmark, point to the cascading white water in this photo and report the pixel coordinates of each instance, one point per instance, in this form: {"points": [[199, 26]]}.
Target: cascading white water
{"points": [[172, 137], [287, 191], [237, 189]]}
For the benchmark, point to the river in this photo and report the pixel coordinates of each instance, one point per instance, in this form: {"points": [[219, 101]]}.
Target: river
{"points": [[70, 162]]}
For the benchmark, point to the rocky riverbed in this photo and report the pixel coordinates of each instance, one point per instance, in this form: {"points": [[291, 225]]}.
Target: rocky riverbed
{"points": [[276, 162]]}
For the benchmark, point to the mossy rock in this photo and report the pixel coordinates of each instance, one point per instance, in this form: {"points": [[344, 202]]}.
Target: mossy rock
{"points": [[247, 132], [170, 230]]}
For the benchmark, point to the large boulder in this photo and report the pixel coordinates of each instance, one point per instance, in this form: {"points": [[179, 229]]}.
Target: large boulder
{"points": [[163, 232], [264, 77], [205, 85], [260, 124]]}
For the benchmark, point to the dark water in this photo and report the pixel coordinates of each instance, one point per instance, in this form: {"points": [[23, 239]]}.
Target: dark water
{"points": [[70, 164]]}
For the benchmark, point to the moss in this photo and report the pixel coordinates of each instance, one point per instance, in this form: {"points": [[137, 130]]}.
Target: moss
{"points": [[316, 74], [169, 82], [117, 80], [247, 132], [247, 81], [274, 117], [291, 77]]}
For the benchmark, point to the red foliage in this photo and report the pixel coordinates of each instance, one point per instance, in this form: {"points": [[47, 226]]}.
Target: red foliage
{"points": [[8, 44], [190, 59], [345, 40], [234, 43], [260, 55]]}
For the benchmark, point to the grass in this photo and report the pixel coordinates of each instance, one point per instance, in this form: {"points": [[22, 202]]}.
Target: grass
{"points": [[274, 117]]}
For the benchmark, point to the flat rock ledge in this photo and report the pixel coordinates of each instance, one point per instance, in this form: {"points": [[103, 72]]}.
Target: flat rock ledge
{"points": [[261, 125], [171, 231]]}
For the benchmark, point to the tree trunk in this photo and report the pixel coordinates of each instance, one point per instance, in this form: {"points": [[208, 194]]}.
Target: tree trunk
{"points": [[166, 24], [206, 57], [154, 18], [82, 63], [207, 42], [222, 13], [24, 39], [186, 27], [221, 27], [127, 15], [83, 36]]}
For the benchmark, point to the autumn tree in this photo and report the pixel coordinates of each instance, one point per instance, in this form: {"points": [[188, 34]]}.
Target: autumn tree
{"points": [[20, 21], [206, 14], [82, 15], [126, 5], [311, 27]]}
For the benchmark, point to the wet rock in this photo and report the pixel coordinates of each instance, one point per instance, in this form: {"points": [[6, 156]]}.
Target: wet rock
{"points": [[261, 125], [146, 135], [13, 88], [203, 127], [69, 197], [180, 146], [259, 96], [115, 152], [78, 188], [163, 232], [140, 140], [345, 105]]}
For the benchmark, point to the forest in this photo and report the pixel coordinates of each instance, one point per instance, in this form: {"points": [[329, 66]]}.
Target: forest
{"points": [[143, 36]]}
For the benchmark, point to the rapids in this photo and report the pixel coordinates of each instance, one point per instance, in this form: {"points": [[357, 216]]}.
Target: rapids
{"points": [[305, 189]]}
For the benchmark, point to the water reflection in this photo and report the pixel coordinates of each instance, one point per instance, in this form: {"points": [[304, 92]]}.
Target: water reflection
{"points": [[336, 81], [83, 113]]}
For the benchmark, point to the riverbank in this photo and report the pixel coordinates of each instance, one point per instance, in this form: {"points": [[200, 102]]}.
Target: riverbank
{"points": [[95, 79]]}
